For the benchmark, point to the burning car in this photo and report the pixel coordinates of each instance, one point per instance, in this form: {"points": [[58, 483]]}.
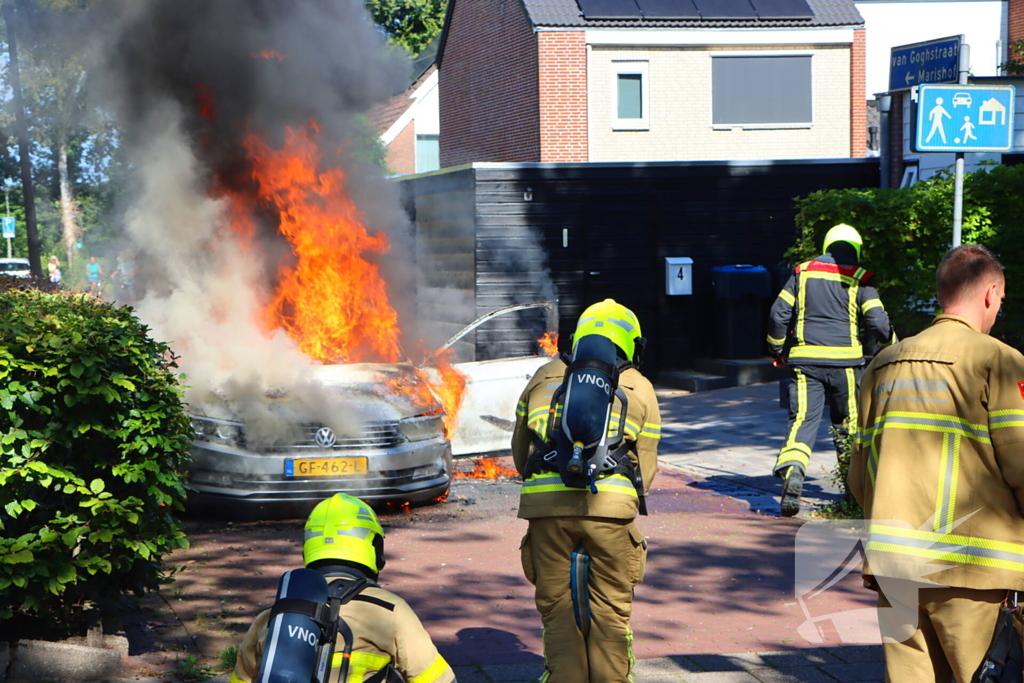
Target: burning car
{"points": [[383, 435]]}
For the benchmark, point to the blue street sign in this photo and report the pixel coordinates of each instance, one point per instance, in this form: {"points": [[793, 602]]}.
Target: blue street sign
{"points": [[964, 118], [8, 226], [934, 61]]}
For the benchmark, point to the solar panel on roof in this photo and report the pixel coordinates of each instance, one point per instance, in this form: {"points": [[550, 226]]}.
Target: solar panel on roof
{"points": [[609, 9], [783, 9], [726, 9], [668, 9]]}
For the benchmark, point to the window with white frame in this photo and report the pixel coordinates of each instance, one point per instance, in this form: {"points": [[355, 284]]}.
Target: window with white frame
{"points": [[428, 153], [631, 86], [772, 91]]}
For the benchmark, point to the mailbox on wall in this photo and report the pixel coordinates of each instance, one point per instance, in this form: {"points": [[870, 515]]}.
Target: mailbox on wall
{"points": [[678, 275]]}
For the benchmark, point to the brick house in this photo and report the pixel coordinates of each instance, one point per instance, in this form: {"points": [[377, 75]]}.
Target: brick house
{"points": [[408, 126], [540, 81]]}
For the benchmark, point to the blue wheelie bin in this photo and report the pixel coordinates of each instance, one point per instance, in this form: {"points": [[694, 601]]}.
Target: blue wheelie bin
{"points": [[740, 315]]}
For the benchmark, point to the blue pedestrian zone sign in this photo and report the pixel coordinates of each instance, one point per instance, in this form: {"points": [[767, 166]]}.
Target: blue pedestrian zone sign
{"points": [[8, 226], [964, 118]]}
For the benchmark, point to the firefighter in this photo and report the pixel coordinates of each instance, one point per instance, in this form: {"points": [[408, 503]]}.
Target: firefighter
{"points": [[345, 541], [939, 470], [814, 329], [582, 551]]}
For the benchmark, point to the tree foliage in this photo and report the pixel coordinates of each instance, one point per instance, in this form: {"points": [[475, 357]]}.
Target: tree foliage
{"points": [[93, 446], [907, 231], [1014, 66], [74, 142], [410, 23]]}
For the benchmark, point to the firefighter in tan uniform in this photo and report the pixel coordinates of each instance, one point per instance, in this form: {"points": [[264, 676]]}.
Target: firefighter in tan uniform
{"points": [[345, 542], [939, 470], [582, 550]]}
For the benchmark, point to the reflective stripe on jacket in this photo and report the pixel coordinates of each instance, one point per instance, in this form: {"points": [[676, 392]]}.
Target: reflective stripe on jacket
{"points": [[939, 460], [815, 319], [543, 494], [381, 637]]}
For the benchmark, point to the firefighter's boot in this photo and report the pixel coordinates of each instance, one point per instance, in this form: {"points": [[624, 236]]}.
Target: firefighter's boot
{"points": [[792, 487]]}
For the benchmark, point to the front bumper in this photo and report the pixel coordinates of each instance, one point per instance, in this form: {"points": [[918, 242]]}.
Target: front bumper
{"points": [[228, 482]]}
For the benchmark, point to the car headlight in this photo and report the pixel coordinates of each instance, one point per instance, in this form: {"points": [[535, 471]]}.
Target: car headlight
{"points": [[218, 431], [422, 427]]}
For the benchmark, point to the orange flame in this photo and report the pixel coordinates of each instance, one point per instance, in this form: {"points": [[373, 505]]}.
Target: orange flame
{"points": [[487, 468], [270, 54], [548, 344], [450, 388], [331, 299]]}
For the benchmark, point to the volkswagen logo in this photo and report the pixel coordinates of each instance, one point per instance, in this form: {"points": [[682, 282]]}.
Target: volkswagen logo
{"points": [[324, 437]]}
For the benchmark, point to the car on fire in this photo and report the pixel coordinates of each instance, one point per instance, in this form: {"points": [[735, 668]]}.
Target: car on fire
{"points": [[379, 445]]}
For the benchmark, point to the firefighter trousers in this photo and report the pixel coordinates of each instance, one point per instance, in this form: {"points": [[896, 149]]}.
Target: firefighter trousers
{"points": [[811, 389], [584, 570], [932, 634]]}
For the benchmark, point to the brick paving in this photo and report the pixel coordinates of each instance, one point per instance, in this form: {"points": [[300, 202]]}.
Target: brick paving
{"points": [[717, 603]]}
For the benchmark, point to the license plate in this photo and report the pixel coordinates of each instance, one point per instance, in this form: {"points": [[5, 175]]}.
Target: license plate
{"points": [[326, 467]]}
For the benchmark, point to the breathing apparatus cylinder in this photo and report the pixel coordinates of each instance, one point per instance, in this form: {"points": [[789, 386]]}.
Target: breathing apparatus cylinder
{"points": [[590, 385], [292, 646]]}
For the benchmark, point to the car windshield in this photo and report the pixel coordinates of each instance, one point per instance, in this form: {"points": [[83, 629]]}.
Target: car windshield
{"points": [[13, 266]]}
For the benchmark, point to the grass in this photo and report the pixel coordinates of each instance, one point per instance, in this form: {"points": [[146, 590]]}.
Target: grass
{"points": [[846, 507], [191, 668], [226, 659]]}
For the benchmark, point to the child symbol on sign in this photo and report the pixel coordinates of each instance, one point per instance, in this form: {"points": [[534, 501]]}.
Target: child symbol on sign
{"points": [[968, 130]]}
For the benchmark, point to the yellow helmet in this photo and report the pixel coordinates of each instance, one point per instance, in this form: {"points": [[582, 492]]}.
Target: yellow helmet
{"points": [[610, 319], [843, 233], [344, 528]]}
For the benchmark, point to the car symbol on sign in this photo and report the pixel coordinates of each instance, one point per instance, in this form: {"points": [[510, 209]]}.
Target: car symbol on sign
{"points": [[962, 99]]}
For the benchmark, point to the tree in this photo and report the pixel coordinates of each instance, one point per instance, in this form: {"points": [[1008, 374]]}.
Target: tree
{"points": [[35, 263], [1014, 66], [59, 120], [410, 23]]}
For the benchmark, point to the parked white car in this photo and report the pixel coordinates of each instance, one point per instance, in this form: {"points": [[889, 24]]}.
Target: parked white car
{"points": [[15, 267]]}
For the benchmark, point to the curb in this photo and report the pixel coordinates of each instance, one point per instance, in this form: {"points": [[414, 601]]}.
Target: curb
{"points": [[38, 660]]}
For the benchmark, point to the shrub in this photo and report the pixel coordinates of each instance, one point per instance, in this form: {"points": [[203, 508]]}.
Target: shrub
{"points": [[906, 232], [93, 445]]}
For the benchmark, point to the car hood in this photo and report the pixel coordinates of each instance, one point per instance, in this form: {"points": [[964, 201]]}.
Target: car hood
{"points": [[343, 397]]}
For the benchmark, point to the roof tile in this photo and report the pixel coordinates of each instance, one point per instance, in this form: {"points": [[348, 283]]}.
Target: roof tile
{"points": [[566, 13]]}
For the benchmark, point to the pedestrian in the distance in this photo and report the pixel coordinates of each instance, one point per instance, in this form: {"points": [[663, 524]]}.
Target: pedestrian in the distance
{"points": [[582, 550], [814, 329], [53, 269], [93, 273], [939, 470]]}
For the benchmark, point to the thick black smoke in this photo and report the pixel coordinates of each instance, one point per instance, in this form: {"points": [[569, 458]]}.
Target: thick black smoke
{"points": [[260, 64], [187, 80]]}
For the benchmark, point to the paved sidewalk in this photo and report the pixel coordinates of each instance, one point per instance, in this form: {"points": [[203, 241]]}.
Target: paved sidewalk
{"points": [[730, 439], [810, 666]]}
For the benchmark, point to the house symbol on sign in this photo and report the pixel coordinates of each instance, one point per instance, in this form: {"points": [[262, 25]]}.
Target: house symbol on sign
{"points": [[989, 110]]}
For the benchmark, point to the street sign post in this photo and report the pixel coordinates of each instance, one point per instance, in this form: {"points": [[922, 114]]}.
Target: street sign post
{"points": [[7, 226], [934, 61], [964, 118]]}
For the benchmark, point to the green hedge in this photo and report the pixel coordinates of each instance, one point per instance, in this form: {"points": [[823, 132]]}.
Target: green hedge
{"points": [[906, 232], [93, 446]]}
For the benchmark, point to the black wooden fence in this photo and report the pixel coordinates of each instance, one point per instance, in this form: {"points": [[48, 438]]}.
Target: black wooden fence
{"points": [[489, 235]]}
